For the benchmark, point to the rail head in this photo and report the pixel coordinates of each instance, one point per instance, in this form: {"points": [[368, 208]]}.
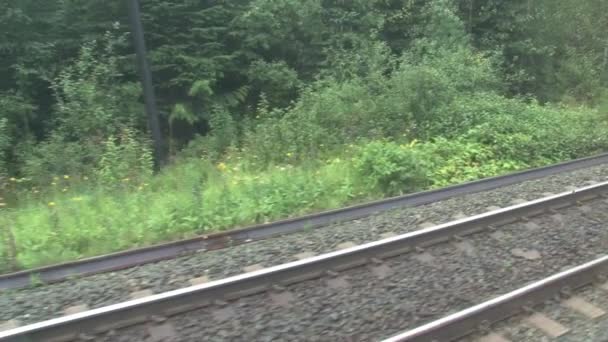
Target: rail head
{"points": [[190, 298]]}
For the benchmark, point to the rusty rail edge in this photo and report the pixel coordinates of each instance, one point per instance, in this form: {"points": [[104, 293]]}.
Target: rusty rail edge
{"points": [[468, 321], [140, 256], [194, 297]]}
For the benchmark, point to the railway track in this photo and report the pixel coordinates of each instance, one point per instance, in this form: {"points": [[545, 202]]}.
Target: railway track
{"points": [[526, 303], [141, 256], [364, 272]]}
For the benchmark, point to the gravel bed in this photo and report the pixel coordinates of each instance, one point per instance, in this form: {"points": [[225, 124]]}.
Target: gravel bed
{"points": [[40, 303], [414, 293]]}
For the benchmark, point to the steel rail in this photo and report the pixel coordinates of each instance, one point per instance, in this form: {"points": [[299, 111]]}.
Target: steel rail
{"points": [[468, 321], [191, 298], [140, 256]]}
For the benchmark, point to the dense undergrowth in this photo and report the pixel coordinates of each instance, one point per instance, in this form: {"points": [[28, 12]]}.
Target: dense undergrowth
{"points": [[372, 124]]}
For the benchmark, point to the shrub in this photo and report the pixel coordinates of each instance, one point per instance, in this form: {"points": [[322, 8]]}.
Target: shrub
{"points": [[457, 160], [57, 156], [392, 168]]}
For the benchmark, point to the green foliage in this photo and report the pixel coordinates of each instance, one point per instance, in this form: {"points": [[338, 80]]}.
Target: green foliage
{"points": [[392, 168], [91, 104], [223, 130], [91, 107], [462, 160], [16, 119], [58, 156], [126, 159], [414, 98], [277, 80], [443, 29]]}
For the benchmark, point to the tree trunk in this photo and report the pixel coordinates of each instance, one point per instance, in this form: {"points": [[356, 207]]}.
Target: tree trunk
{"points": [[471, 4], [605, 64]]}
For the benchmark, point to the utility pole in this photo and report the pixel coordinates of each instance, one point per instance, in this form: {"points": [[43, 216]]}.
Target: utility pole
{"points": [[137, 32]]}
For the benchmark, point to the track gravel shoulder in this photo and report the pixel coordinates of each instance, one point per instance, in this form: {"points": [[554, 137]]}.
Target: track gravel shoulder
{"points": [[40, 303]]}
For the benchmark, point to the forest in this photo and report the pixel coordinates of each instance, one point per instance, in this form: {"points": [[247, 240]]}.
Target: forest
{"points": [[275, 108]]}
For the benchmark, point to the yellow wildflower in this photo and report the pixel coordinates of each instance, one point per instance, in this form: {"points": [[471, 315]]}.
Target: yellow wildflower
{"points": [[36, 191], [77, 199], [66, 177], [289, 154], [140, 188], [86, 178], [13, 179], [65, 189], [55, 178], [52, 204], [53, 184], [221, 166], [2, 204], [126, 179]]}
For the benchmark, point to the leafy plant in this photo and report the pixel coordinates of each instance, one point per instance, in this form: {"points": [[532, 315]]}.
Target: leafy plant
{"points": [[125, 159], [392, 168]]}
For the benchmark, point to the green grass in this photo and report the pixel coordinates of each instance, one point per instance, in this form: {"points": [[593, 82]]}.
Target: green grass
{"points": [[181, 202]]}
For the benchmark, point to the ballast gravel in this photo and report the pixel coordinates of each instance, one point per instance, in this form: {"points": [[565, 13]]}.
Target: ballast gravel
{"points": [[367, 308], [39, 303]]}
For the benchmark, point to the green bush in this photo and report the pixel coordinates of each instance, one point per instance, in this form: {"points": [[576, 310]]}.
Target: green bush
{"points": [[56, 156], [392, 168], [415, 98], [456, 161]]}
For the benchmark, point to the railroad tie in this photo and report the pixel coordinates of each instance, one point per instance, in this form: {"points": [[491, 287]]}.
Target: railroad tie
{"points": [[199, 280], [304, 255], [517, 201], [427, 224], [253, 268], [583, 307], [70, 310], [388, 235], [223, 314], [281, 298], [9, 325], [141, 294], [346, 245], [161, 333], [459, 216], [493, 337], [547, 325]]}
